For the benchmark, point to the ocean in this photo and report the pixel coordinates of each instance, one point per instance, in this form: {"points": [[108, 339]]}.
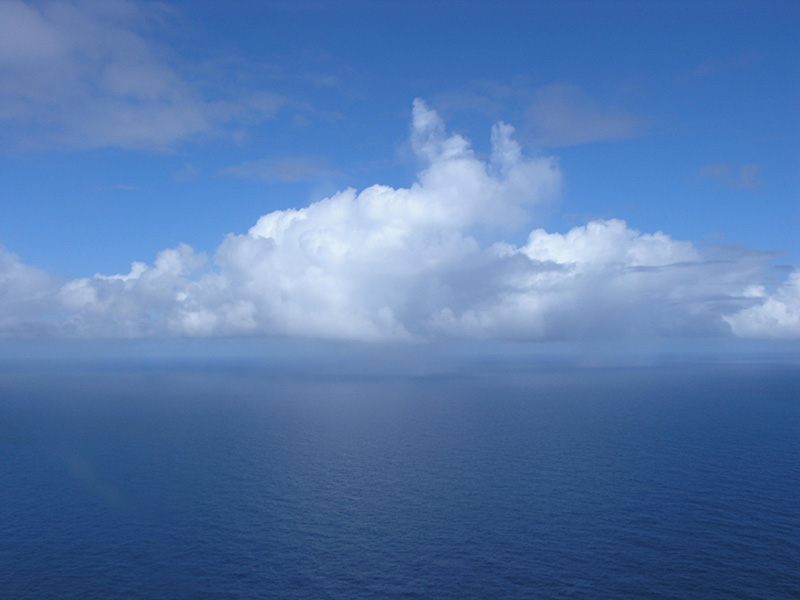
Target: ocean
{"points": [[236, 480]]}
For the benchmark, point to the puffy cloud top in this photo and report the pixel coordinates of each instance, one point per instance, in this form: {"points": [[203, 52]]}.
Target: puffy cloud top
{"points": [[406, 264]]}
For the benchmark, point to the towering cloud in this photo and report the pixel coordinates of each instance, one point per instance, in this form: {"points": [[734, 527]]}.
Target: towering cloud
{"points": [[407, 264]]}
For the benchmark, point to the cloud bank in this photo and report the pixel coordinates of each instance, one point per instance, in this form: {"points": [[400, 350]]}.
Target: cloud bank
{"points": [[412, 264]]}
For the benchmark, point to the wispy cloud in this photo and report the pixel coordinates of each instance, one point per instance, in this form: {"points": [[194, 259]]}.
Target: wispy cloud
{"points": [[720, 65], [742, 177], [87, 75], [556, 114], [287, 169], [406, 264], [188, 172], [564, 115]]}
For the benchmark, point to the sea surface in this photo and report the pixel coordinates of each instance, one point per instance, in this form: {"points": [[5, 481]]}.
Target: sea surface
{"points": [[239, 481]]}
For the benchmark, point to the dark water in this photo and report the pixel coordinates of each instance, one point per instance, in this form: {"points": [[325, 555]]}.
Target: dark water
{"points": [[668, 482]]}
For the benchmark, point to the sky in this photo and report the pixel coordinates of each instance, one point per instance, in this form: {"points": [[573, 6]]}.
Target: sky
{"points": [[399, 172]]}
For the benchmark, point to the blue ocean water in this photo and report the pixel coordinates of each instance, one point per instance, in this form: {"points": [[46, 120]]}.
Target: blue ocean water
{"points": [[235, 481]]}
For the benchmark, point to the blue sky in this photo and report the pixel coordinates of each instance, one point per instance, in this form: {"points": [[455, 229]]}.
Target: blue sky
{"points": [[648, 185]]}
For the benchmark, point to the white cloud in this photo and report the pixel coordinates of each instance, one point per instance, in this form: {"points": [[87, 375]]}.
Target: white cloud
{"points": [[406, 264], [144, 302], [773, 315], [607, 280], [27, 298], [84, 74], [355, 265]]}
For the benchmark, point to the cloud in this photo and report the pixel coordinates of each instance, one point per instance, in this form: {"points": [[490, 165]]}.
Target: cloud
{"points": [[27, 298], [555, 115], [84, 74], [563, 115], [188, 172], [715, 66], [742, 177], [407, 264], [287, 169], [355, 265], [772, 315]]}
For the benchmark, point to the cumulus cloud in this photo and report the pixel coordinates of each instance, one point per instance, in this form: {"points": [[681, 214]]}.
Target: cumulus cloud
{"points": [[84, 74], [772, 315], [389, 263]]}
